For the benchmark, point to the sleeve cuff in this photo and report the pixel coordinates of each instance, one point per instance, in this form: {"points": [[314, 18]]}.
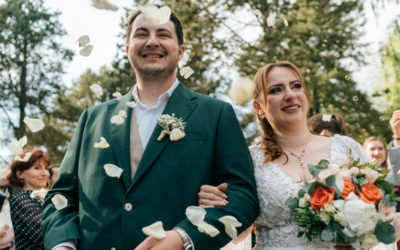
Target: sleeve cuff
{"points": [[390, 146], [70, 243], [4, 194]]}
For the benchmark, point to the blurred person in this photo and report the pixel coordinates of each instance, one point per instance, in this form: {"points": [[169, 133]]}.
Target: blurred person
{"points": [[335, 125], [26, 213], [394, 147], [54, 170], [6, 227], [3, 184], [376, 148]]}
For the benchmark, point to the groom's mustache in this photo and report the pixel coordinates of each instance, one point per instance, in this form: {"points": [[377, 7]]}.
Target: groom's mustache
{"points": [[163, 52]]}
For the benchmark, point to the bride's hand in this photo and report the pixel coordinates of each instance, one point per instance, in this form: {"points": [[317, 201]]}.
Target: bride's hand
{"points": [[210, 196]]}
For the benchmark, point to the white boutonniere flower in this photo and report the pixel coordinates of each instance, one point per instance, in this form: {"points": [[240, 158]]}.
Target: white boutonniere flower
{"points": [[171, 126]]}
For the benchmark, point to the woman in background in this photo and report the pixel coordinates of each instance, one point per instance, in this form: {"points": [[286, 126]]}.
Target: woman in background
{"points": [[376, 148], [327, 125]]}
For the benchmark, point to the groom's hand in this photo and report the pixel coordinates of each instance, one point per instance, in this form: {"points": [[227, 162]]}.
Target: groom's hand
{"points": [[172, 241]]}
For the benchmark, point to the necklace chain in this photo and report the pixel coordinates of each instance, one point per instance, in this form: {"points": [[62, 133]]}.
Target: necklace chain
{"points": [[299, 156]]}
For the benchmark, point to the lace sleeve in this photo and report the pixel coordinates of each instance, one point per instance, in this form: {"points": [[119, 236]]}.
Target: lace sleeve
{"points": [[357, 151]]}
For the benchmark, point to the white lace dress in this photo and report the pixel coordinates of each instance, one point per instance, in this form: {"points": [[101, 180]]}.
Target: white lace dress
{"points": [[275, 226]]}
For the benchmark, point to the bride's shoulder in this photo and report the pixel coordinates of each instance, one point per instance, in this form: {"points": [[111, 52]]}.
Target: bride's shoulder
{"points": [[343, 139]]}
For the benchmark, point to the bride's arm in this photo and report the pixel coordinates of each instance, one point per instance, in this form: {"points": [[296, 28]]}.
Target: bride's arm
{"points": [[243, 235]]}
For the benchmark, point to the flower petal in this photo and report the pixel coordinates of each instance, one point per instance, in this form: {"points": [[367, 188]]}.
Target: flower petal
{"points": [[176, 134], [206, 228], [117, 95], [104, 5], [97, 89], [196, 215], [231, 223], [34, 125], [117, 119], [86, 50], [122, 113], [326, 118], [39, 193], [156, 230], [59, 201], [271, 19], [23, 141], [113, 171], [242, 90], [17, 146], [285, 21], [186, 72], [26, 157], [102, 144], [83, 40], [238, 50], [131, 104], [156, 15]]}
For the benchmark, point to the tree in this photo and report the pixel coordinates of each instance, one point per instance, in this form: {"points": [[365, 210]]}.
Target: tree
{"points": [[31, 61]]}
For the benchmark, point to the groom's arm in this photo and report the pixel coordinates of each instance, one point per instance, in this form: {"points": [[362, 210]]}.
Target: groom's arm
{"points": [[232, 165], [62, 225]]}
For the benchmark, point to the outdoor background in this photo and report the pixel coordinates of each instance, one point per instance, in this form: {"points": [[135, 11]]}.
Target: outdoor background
{"points": [[347, 51]]}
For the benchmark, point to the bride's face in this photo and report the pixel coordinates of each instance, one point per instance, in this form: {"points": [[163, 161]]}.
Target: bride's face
{"points": [[286, 103]]}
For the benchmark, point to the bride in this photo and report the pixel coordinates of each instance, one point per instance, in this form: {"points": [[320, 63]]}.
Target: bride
{"points": [[280, 160]]}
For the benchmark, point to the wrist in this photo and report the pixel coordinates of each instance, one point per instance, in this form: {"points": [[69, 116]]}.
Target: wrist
{"points": [[185, 239]]}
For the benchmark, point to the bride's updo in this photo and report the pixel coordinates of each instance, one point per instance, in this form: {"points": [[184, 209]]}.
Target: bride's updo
{"points": [[268, 143]]}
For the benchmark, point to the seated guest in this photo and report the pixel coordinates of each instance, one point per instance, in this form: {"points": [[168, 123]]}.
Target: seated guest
{"points": [[331, 125], [26, 211]]}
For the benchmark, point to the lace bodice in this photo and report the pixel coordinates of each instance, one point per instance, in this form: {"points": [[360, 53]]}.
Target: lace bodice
{"points": [[275, 226]]}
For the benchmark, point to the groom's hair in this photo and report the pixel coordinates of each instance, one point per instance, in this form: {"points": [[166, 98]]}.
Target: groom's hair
{"points": [[173, 18]]}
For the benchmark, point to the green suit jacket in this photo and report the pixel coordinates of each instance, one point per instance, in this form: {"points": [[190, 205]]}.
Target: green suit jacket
{"points": [[166, 182]]}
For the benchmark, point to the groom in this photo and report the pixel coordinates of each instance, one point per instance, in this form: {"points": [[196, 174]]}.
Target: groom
{"points": [[160, 179]]}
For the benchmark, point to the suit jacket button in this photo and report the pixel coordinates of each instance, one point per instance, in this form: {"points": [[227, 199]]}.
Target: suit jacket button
{"points": [[128, 207], [113, 248]]}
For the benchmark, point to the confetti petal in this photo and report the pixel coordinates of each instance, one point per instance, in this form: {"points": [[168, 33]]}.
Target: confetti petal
{"points": [[59, 201], [34, 125], [208, 229], [102, 144], [176, 134], [104, 5], [117, 95], [326, 118], [39, 193], [285, 21], [231, 223], [117, 119], [242, 90], [131, 104], [256, 12], [83, 40], [196, 215], [271, 19], [122, 113], [186, 72], [156, 230], [86, 50], [238, 51], [17, 147], [97, 90], [113, 171], [26, 157], [156, 15], [225, 7]]}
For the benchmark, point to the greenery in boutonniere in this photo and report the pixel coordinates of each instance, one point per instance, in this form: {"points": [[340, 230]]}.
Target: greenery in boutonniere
{"points": [[171, 126]]}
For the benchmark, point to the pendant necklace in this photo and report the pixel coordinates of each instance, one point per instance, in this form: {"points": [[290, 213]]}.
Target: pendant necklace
{"points": [[299, 156]]}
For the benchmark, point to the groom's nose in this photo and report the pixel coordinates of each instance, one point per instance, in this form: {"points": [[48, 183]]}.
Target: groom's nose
{"points": [[152, 40]]}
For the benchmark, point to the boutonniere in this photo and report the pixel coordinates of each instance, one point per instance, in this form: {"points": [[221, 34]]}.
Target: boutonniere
{"points": [[171, 126]]}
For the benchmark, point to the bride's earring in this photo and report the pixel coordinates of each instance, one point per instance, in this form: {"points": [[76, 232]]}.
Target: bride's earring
{"points": [[261, 114]]}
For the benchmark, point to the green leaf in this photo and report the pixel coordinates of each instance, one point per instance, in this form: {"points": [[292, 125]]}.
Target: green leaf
{"points": [[301, 193], [328, 235], [323, 163], [336, 181], [292, 203], [388, 201], [308, 236], [386, 186], [300, 234], [389, 178], [362, 181], [312, 188], [384, 232]]}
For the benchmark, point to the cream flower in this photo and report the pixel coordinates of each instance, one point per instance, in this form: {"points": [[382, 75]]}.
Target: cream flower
{"points": [[326, 218], [271, 19], [117, 119], [396, 225], [113, 171], [368, 241], [186, 72], [386, 212], [26, 157], [230, 223], [131, 104], [329, 208], [354, 170], [156, 15], [34, 125], [176, 134], [324, 174], [302, 202], [156, 230], [370, 174], [122, 113], [326, 118], [17, 147], [86, 50], [206, 228], [102, 144], [59, 201], [97, 90], [345, 173], [196, 215], [83, 40], [117, 95], [242, 90], [39, 193]]}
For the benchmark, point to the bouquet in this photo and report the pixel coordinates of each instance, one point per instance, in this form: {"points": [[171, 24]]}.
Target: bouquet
{"points": [[348, 201]]}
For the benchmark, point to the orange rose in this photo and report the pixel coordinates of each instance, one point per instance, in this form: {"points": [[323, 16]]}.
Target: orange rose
{"points": [[348, 188], [321, 197], [370, 193]]}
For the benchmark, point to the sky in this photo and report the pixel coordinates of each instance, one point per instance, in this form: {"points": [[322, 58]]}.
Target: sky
{"points": [[80, 18]]}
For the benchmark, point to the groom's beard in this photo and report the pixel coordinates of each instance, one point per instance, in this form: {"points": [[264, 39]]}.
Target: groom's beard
{"points": [[155, 75]]}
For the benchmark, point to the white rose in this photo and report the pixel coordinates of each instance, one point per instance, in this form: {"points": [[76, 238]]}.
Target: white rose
{"points": [[368, 240], [386, 212], [345, 173], [306, 196], [324, 174], [335, 168], [370, 174], [354, 170], [302, 202], [329, 208], [337, 217], [325, 217]]}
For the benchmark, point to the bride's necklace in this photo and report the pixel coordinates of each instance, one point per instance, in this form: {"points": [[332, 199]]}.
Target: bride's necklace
{"points": [[299, 156]]}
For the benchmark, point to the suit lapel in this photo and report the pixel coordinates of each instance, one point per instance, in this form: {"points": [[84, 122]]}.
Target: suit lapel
{"points": [[120, 135], [180, 104]]}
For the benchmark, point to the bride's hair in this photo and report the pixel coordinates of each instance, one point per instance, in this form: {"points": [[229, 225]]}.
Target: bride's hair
{"points": [[268, 143]]}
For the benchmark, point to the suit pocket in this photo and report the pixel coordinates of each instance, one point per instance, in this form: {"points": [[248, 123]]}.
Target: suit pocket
{"points": [[195, 136]]}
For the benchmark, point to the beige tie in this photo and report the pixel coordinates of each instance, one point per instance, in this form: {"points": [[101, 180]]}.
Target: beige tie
{"points": [[136, 148]]}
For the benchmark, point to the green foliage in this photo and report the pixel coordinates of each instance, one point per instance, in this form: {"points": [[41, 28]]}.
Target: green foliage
{"points": [[384, 232], [292, 203]]}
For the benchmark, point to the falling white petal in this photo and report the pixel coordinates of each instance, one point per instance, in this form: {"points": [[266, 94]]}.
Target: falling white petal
{"points": [[59, 201], [242, 90], [131, 104], [39, 193], [285, 21], [83, 40], [113, 171], [256, 12], [102, 144], [326, 118], [23, 141], [117, 119], [225, 7], [26, 157], [196, 215], [231, 223], [271, 19], [34, 125], [17, 147], [104, 5], [122, 113], [208, 229], [97, 89], [186, 72], [130, 14], [238, 50], [176, 134], [86, 50], [117, 95], [156, 15], [156, 230]]}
